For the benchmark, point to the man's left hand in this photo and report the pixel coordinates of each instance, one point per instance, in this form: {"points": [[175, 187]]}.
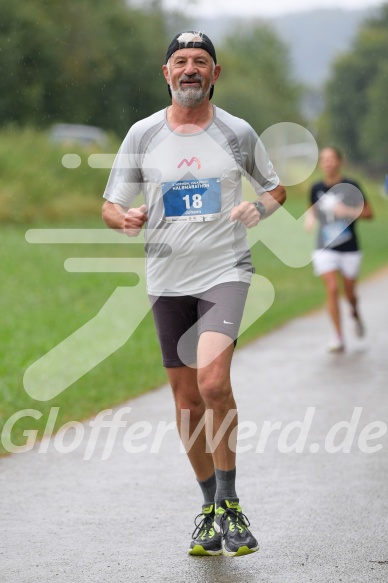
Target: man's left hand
{"points": [[247, 213]]}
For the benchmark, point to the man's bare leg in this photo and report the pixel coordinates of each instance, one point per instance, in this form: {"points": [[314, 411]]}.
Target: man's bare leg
{"points": [[183, 380], [215, 353]]}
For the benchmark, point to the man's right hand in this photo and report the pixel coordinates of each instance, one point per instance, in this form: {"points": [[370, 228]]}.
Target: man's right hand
{"points": [[134, 220]]}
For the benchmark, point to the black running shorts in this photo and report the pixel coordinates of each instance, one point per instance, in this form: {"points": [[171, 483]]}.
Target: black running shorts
{"points": [[218, 309]]}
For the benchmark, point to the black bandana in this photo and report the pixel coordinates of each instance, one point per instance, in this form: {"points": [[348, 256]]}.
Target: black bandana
{"points": [[205, 44]]}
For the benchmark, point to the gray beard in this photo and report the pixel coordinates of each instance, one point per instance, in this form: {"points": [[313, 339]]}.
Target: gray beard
{"points": [[189, 97]]}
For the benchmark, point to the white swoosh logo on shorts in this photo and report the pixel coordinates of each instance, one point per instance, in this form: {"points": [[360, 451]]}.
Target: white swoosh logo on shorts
{"points": [[225, 322]]}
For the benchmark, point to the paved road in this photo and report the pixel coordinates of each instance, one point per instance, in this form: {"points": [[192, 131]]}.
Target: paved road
{"points": [[320, 516]]}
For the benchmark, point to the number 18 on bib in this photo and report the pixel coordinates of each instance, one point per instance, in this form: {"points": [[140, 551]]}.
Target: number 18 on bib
{"points": [[192, 200]]}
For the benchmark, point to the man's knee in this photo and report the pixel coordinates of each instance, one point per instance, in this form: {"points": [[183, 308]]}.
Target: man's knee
{"points": [[195, 406], [213, 387], [188, 400]]}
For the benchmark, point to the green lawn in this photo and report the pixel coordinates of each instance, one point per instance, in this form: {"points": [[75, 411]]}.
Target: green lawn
{"points": [[42, 304]]}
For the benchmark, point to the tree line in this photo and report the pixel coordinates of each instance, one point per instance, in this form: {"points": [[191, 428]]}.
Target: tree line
{"points": [[99, 63], [356, 97]]}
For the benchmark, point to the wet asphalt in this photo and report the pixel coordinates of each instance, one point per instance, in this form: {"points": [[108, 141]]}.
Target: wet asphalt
{"points": [[320, 513]]}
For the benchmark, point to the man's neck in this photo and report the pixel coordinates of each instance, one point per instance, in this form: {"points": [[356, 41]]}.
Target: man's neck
{"points": [[187, 120]]}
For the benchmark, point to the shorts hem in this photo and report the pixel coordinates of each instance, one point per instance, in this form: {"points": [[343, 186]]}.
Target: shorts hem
{"points": [[327, 260], [217, 329], [175, 363]]}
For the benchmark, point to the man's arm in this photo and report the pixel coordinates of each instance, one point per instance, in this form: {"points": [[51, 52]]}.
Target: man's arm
{"points": [[247, 213], [129, 221], [273, 199]]}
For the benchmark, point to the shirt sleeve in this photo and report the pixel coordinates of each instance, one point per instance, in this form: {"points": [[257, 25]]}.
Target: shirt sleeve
{"points": [[257, 165], [354, 196], [313, 195], [125, 180]]}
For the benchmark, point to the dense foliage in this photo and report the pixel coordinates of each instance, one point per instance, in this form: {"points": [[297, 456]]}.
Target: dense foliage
{"points": [[357, 96], [99, 63], [256, 81], [89, 61]]}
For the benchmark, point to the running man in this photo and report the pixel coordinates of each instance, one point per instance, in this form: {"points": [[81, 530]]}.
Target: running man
{"points": [[338, 255], [188, 161]]}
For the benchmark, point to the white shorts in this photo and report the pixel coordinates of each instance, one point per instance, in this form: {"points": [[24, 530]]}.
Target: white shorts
{"points": [[347, 263]]}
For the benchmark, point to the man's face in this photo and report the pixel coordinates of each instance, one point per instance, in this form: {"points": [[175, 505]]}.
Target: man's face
{"points": [[190, 74]]}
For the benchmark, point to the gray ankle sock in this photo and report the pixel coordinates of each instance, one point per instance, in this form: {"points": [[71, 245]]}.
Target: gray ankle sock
{"points": [[208, 488], [226, 489]]}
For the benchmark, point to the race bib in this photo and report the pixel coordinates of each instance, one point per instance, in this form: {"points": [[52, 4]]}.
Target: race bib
{"points": [[336, 233], [192, 200]]}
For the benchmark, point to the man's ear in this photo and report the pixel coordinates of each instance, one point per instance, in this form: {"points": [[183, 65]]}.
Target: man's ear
{"points": [[216, 74], [166, 74]]}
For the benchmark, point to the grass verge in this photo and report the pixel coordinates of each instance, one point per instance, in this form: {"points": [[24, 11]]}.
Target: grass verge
{"points": [[42, 304]]}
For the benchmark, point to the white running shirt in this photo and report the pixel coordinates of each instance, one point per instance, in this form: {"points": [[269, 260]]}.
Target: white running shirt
{"points": [[190, 184]]}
